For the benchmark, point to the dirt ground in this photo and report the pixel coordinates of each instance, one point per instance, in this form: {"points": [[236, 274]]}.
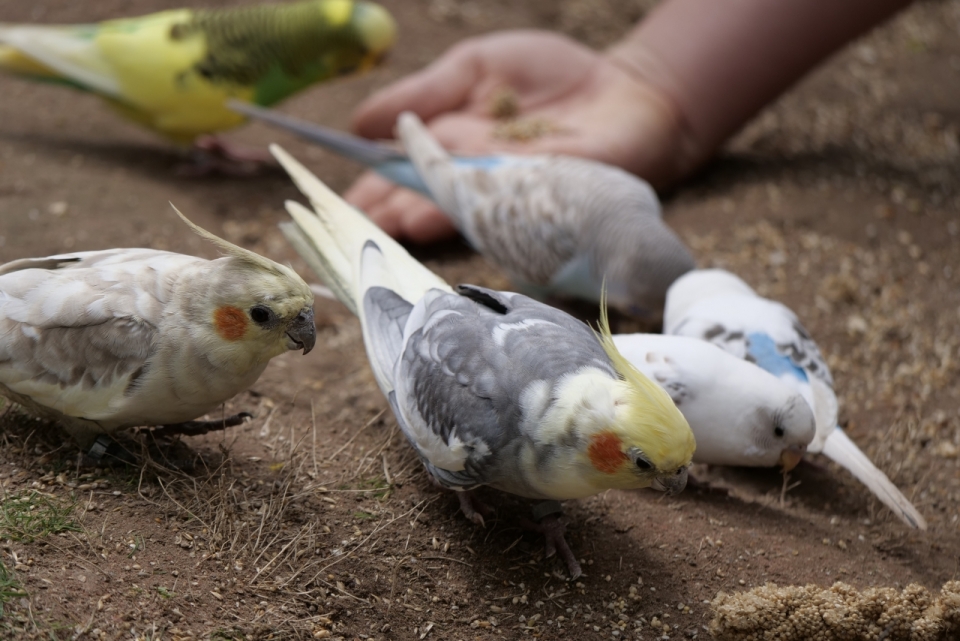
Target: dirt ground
{"points": [[316, 521]]}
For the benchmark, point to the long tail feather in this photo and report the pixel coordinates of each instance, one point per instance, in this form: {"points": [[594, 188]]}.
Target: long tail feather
{"points": [[335, 236], [386, 161], [69, 52], [432, 161], [839, 448], [328, 263], [359, 149]]}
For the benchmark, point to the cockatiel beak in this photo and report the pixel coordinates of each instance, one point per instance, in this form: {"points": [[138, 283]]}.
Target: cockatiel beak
{"points": [[303, 331], [673, 484], [791, 456]]}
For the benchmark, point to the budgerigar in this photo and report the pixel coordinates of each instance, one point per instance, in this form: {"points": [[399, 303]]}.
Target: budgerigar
{"points": [[740, 414], [717, 306], [492, 388], [557, 225], [104, 340], [172, 71]]}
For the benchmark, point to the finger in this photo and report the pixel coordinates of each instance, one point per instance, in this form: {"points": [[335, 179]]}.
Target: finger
{"points": [[425, 224], [420, 219], [443, 86], [368, 190]]}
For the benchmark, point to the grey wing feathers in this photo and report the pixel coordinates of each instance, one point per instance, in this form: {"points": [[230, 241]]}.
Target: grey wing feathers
{"points": [[76, 330], [385, 315], [465, 369], [86, 356], [466, 480]]}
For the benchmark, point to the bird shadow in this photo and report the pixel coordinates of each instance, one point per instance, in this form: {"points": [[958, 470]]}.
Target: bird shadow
{"points": [[156, 161]]}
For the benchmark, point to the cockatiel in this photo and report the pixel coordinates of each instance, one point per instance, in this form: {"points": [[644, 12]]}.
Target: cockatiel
{"points": [[715, 305], [557, 225], [104, 340], [172, 71], [740, 414], [490, 387]]}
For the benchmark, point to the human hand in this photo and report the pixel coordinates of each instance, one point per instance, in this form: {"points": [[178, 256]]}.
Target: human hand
{"points": [[595, 108]]}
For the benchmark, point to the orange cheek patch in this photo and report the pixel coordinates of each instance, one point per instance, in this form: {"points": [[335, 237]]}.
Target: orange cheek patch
{"points": [[605, 452], [231, 322]]}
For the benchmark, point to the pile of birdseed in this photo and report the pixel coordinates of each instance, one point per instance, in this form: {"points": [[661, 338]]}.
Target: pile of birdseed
{"points": [[838, 613]]}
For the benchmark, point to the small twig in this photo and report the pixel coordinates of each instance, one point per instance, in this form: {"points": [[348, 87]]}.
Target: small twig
{"points": [[446, 558]]}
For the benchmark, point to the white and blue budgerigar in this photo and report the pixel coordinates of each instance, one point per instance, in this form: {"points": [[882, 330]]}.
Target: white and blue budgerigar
{"points": [[558, 225], [717, 306], [492, 388], [740, 414]]}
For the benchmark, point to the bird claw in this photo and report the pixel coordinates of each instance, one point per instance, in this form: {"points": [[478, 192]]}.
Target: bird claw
{"points": [[551, 526], [211, 155], [473, 508]]}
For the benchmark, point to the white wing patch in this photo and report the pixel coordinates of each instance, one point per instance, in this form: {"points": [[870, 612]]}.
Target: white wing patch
{"points": [[500, 331], [450, 456]]}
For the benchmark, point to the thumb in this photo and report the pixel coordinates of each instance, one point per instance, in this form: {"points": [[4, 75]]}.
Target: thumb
{"points": [[443, 86]]}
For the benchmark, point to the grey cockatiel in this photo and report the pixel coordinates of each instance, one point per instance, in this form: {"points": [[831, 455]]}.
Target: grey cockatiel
{"points": [[558, 225], [105, 340], [492, 388]]}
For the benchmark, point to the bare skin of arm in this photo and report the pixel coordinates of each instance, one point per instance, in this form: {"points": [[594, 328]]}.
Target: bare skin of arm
{"points": [[659, 103]]}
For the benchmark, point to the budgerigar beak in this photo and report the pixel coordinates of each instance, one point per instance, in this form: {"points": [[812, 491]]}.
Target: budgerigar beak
{"points": [[791, 456], [303, 331], [672, 484]]}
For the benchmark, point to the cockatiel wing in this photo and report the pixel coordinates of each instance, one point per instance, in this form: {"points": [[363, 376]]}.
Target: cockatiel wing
{"points": [[78, 342], [461, 396], [173, 70]]}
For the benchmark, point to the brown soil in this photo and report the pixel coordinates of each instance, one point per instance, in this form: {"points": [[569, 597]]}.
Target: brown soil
{"points": [[316, 520]]}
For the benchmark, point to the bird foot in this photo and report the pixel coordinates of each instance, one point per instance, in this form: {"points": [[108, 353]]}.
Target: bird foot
{"points": [[106, 450], [196, 428], [549, 523], [213, 156], [473, 508]]}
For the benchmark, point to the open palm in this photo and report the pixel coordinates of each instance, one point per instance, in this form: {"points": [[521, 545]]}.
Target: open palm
{"points": [[596, 109]]}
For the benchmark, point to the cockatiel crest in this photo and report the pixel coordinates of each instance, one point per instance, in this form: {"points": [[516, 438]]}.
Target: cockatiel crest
{"points": [[649, 433]]}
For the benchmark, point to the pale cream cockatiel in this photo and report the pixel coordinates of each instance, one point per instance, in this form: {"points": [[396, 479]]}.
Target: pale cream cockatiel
{"points": [[104, 340]]}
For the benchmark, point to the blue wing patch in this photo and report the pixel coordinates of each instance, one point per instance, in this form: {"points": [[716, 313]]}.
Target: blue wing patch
{"points": [[763, 351], [401, 171]]}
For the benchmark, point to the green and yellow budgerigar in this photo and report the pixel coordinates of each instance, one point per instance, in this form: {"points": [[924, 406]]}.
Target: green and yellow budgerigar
{"points": [[172, 71]]}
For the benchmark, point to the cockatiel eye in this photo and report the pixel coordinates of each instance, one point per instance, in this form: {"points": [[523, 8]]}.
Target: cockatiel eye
{"points": [[644, 464], [261, 315]]}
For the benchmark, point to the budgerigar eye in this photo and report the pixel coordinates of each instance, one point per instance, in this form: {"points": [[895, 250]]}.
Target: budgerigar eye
{"points": [[260, 314], [779, 431]]}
